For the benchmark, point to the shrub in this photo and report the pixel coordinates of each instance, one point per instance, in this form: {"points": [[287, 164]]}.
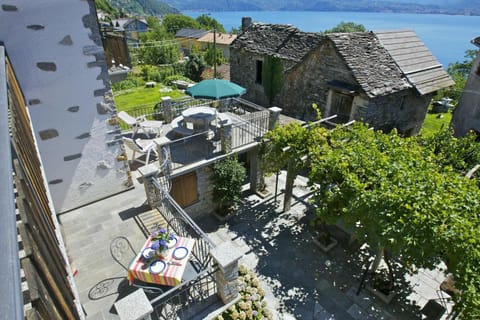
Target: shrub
{"points": [[228, 176], [252, 304], [129, 83]]}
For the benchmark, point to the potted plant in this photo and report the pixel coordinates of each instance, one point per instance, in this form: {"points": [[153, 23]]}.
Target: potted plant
{"points": [[322, 237], [228, 176], [382, 281]]}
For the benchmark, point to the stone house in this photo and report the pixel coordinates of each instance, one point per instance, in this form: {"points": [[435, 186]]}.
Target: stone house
{"points": [[222, 42], [132, 27], [188, 38], [386, 79], [466, 116]]}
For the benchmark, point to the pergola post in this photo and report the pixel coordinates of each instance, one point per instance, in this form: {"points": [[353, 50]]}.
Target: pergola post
{"points": [[289, 185]]}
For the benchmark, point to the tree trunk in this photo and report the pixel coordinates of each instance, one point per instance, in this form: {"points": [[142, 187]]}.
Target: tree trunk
{"points": [[378, 259], [291, 174]]}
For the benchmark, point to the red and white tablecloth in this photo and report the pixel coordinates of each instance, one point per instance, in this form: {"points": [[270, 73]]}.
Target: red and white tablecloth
{"points": [[173, 272]]}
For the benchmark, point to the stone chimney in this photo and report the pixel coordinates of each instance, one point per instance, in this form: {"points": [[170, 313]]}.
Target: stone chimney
{"points": [[246, 23]]}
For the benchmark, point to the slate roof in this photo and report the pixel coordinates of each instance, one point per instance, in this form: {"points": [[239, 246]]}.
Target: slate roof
{"points": [[381, 62], [417, 63], [190, 33], [371, 64], [282, 41]]}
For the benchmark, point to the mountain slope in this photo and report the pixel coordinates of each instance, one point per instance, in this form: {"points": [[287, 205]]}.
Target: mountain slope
{"points": [[142, 7]]}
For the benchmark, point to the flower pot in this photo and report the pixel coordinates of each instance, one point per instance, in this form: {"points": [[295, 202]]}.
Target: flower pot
{"points": [[325, 246], [385, 297], [224, 218]]}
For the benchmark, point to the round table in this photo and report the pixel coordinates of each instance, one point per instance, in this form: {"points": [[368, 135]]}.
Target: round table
{"points": [[200, 117]]}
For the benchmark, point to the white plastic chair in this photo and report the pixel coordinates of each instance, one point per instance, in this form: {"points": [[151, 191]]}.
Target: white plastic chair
{"points": [[142, 147], [140, 123]]}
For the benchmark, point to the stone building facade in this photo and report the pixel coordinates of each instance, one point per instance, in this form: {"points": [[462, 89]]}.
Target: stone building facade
{"points": [[357, 76], [467, 114], [60, 65]]}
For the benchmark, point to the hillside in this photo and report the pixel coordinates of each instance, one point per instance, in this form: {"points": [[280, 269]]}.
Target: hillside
{"points": [[464, 7], [135, 7]]}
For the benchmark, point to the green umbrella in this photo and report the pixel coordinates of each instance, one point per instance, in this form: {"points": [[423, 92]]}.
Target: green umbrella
{"points": [[215, 89]]}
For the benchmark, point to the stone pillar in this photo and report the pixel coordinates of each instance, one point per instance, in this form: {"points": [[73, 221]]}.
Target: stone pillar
{"points": [[226, 138], [274, 116], [148, 173], [163, 151], [164, 158], [167, 109], [226, 255]]}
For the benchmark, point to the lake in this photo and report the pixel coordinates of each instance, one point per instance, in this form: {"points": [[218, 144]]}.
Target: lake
{"points": [[447, 36]]}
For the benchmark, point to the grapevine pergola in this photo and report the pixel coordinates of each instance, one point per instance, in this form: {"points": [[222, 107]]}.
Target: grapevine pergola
{"points": [[409, 196]]}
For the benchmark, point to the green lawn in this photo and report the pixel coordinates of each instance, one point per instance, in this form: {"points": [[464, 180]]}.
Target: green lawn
{"points": [[432, 124], [131, 99]]}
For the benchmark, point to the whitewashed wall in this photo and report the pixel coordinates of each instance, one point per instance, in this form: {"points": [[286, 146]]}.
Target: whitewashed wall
{"points": [[466, 116], [57, 54]]}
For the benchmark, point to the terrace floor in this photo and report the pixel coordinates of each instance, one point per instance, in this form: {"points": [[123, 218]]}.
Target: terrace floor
{"points": [[301, 282]]}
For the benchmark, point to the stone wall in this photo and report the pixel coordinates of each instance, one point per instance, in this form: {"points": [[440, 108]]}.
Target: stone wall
{"points": [[466, 116], [403, 110], [306, 83], [243, 71]]}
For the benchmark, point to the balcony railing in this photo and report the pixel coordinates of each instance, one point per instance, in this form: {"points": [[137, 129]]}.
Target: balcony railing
{"points": [[199, 293]]}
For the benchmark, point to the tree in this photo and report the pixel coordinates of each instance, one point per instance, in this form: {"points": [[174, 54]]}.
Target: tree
{"points": [[174, 22], [210, 56], [398, 194], [162, 52], [272, 77], [207, 22], [195, 66], [347, 27], [157, 46], [286, 146], [228, 176]]}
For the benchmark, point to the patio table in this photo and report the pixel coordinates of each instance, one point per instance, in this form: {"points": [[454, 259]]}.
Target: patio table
{"points": [[174, 269], [200, 117]]}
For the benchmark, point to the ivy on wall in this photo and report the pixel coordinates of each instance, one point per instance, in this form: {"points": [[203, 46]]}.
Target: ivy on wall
{"points": [[272, 77]]}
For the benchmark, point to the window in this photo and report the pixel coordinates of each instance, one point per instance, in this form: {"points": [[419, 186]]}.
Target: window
{"points": [[258, 78], [341, 105], [184, 189]]}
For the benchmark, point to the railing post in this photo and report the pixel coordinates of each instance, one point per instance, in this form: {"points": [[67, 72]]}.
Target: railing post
{"points": [[226, 255], [148, 173], [167, 109], [226, 138], [274, 115]]}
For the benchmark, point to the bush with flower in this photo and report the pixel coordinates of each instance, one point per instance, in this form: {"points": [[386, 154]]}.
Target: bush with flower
{"points": [[252, 304], [160, 239]]}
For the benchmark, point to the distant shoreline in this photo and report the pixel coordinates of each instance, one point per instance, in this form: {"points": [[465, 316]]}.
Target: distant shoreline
{"points": [[447, 13]]}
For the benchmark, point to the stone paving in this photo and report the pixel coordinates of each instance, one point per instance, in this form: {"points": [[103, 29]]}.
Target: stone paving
{"points": [[301, 281]]}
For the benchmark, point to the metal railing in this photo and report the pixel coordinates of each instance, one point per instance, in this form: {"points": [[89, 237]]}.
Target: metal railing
{"points": [[179, 301]]}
